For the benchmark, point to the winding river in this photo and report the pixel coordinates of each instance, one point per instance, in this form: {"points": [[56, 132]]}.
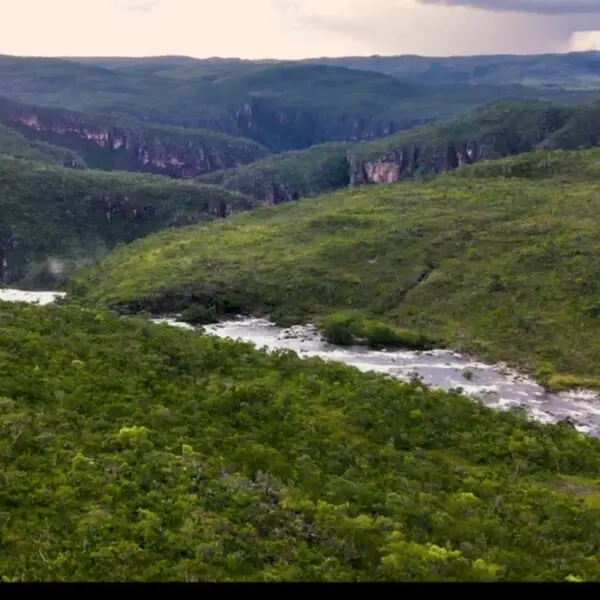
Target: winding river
{"points": [[496, 386]]}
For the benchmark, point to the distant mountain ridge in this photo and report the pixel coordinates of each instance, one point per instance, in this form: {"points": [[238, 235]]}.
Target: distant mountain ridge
{"points": [[573, 70], [280, 105]]}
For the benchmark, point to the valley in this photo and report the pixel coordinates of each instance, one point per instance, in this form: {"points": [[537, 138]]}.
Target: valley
{"points": [[53, 219], [502, 264], [496, 386], [317, 320]]}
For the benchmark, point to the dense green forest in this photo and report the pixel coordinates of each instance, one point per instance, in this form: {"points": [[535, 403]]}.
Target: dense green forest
{"points": [[283, 106], [499, 258], [53, 218], [503, 128], [139, 452]]}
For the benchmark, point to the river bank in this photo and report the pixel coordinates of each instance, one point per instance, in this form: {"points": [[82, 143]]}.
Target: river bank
{"points": [[494, 384]]}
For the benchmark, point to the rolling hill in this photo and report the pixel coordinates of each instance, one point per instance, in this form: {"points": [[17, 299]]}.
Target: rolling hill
{"points": [[572, 70], [283, 106], [500, 259], [54, 218]]}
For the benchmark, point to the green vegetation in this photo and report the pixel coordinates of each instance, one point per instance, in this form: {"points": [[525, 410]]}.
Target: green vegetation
{"points": [[347, 328], [503, 128], [290, 175], [53, 219], [138, 452], [505, 267], [13, 143], [141, 452], [283, 106], [573, 71], [126, 144]]}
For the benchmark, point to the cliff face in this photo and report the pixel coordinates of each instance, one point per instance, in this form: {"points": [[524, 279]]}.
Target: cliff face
{"points": [[297, 128], [290, 176], [408, 161], [321, 169], [153, 149], [499, 130]]}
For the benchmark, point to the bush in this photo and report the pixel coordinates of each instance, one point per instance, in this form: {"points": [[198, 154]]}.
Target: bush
{"points": [[350, 327], [198, 314]]}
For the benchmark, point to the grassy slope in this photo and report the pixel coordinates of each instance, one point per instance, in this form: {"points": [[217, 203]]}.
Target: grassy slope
{"points": [[501, 259], [51, 212], [139, 452], [13, 143]]}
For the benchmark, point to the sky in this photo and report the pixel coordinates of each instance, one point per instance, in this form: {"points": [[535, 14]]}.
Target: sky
{"points": [[289, 29]]}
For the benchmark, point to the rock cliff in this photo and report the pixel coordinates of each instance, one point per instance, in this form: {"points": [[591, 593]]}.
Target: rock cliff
{"points": [[409, 161], [296, 128], [130, 146], [501, 129]]}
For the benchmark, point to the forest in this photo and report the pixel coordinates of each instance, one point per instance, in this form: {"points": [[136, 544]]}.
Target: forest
{"points": [[141, 452], [398, 203], [50, 214]]}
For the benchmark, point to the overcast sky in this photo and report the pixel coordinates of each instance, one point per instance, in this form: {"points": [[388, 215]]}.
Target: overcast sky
{"points": [[296, 28]]}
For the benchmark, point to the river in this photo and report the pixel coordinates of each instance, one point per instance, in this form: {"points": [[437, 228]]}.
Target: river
{"points": [[497, 386]]}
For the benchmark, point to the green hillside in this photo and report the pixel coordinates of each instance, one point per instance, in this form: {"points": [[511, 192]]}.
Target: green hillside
{"points": [[503, 263], [127, 144], [13, 143], [503, 128], [574, 70], [137, 452], [284, 106], [52, 218]]}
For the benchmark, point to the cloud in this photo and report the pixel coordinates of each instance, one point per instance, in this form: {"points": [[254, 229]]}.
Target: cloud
{"points": [[441, 29], [291, 29], [540, 7], [138, 7], [585, 40]]}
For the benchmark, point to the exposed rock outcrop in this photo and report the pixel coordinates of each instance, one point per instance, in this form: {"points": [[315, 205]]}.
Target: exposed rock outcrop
{"points": [[408, 161], [105, 144]]}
